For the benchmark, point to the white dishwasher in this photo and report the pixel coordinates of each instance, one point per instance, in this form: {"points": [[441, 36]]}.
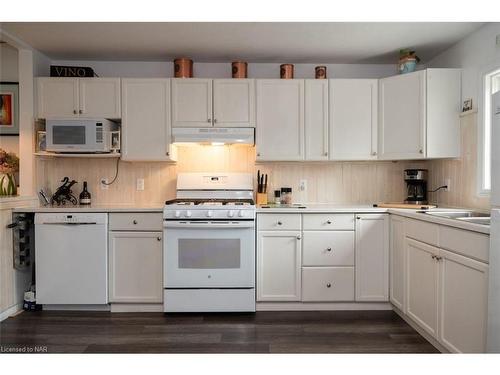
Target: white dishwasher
{"points": [[71, 258]]}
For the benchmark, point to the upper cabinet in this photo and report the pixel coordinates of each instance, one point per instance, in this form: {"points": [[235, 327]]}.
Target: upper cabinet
{"points": [[78, 97], [316, 119], [146, 127], [198, 102], [419, 115], [353, 119], [280, 119]]}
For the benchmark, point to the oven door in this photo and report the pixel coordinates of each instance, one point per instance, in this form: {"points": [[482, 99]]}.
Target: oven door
{"points": [[209, 254]]}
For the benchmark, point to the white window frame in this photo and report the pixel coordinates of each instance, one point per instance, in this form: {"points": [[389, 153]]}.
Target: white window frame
{"points": [[484, 135]]}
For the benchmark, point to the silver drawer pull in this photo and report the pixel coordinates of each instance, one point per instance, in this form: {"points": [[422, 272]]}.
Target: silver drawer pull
{"points": [[328, 285], [279, 223], [328, 221], [328, 249], [298, 237], [158, 238], [135, 222]]}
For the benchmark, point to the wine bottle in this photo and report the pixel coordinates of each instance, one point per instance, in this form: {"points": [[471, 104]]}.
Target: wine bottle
{"points": [[85, 195]]}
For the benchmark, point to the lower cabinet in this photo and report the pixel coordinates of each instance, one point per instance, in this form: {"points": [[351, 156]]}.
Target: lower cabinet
{"points": [[463, 301], [279, 255], [135, 267], [397, 262], [327, 284], [372, 257]]}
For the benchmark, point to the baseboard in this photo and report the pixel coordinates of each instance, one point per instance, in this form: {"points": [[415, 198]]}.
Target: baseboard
{"points": [[421, 331], [76, 307], [322, 306], [11, 311], [136, 307]]}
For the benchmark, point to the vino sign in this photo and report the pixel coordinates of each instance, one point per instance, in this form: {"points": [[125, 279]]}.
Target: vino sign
{"points": [[71, 71]]}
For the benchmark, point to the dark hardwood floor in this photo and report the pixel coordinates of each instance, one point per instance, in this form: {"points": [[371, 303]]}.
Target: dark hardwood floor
{"points": [[263, 332]]}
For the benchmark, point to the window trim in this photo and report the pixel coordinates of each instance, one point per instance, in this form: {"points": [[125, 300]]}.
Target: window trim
{"points": [[485, 73]]}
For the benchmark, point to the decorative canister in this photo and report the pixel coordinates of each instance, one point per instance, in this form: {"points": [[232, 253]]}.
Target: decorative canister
{"points": [[286, 71], [239, 69], [320, 72], [183, 68]]}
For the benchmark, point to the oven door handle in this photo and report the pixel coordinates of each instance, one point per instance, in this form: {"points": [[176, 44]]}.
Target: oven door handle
{"points": [[208, 225]]}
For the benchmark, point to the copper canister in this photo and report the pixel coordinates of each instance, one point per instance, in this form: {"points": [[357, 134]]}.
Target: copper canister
{"points": [[286, 71], [183, 68], [320, 72], [239, 69]]}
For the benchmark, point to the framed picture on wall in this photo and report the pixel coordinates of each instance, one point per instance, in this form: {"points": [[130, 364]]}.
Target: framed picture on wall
{"points": [[9, 108]]}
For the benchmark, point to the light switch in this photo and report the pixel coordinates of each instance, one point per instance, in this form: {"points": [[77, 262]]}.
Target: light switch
{"points": [[140, 184]]}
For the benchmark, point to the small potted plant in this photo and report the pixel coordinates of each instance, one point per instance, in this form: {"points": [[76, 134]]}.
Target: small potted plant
{"points": [[9, 166], [407, 61]]}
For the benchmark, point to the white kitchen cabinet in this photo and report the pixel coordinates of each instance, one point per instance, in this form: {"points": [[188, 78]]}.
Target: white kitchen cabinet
{"points": [[353, 119], [279, 265], [418, 116], [78, 97], [57, 97], [135, 267], [327, 284], [316, 119], [146, 131], [192, 102], [422, 284], [397, 262], [372, 257], [234, 103], [100, 97], [280, 119], [463, 301]]}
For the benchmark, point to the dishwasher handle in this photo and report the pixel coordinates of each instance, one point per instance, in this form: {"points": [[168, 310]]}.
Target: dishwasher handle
{"points": [[67, 223]]}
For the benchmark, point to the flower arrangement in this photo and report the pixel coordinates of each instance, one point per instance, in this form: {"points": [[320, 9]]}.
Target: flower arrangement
{"points": [[9, 165]]}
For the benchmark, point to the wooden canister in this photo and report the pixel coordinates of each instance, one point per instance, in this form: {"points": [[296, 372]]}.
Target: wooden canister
{"points": [[286, 71], [239, 69], [320, 72], [183, 68]]}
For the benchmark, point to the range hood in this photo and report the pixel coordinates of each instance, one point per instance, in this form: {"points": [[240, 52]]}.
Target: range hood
{"points": [[244, 136]]}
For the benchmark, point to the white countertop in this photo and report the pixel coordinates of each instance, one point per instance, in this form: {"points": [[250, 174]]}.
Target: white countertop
{"points": [[410, 213], [93, 208]]}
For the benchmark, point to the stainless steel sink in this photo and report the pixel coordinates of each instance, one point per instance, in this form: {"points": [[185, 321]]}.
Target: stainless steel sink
{"points": [[468, 216]]}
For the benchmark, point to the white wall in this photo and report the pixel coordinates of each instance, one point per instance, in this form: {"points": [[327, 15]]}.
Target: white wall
{"points": [[9, 72], [223, 70], [473, 54]]}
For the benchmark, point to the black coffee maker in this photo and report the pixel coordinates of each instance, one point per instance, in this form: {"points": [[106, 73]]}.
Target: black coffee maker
{"points": [[416, 186]]}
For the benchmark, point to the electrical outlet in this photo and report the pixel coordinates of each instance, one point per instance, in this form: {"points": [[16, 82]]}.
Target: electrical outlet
{"points": [[303, 185], [447, 182], [139, 184], [103, 183]]}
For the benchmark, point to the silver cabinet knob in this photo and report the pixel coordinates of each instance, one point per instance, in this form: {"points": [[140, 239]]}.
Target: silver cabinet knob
{"points": [[298, 237], [328, 285], [135, 222], [421, 151], [168, 153], [80, 111], [325, 153], [328, 221], [328, 249], [279, 223], [358, 217], [374, 153], [158, 238], [209, 120], [74, 112], [258, 153]]}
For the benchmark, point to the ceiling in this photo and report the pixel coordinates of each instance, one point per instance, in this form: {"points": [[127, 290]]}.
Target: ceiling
{"points": [[349, 42]]}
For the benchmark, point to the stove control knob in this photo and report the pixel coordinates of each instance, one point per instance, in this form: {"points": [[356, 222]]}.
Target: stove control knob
{"points": [[177, 214], [188, 214], [241, 213], [230, 213], [210, 213]]}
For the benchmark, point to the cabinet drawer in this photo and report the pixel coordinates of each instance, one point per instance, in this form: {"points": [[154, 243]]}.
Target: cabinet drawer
{"points": [[467, 243], [328, 284], [422, 231], [150, 221], [278, 222], [328, 221], [328, 248]]}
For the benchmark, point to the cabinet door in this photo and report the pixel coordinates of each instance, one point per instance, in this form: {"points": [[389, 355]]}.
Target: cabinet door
{"points": [[278, 266], [234, 103], [422, 284], [353, 119], [402, 116], [372, 257], [57, 97], [100, 97], [316, 119], [280, 119], [397, 262], [191, 103], [146, 119], [463, 301], [135, 267]]}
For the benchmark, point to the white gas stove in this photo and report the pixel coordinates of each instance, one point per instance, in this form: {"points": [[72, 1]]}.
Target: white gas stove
{"points": [[209, 244]]}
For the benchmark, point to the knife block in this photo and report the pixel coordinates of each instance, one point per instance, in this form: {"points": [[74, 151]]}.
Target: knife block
{"points": [[261, 198]]}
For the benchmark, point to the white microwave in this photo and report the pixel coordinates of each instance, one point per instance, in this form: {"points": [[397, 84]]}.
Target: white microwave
{"points": [[79, 135]]}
